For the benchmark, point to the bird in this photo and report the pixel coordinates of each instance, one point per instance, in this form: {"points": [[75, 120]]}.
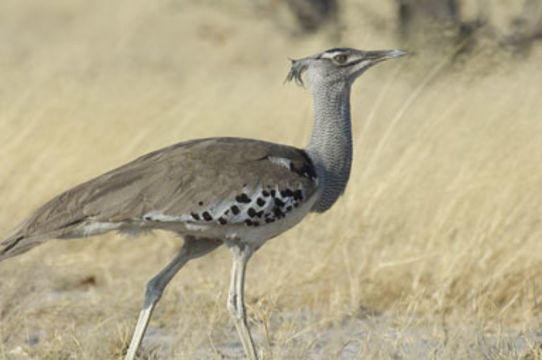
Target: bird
{"points": [[218, 191]]}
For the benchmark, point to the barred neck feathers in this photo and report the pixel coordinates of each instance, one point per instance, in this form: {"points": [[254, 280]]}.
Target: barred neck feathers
{"points": [[330, 145]]}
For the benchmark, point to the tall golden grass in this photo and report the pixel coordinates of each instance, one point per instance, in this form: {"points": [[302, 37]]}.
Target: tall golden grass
{"points": [[435, 246]]}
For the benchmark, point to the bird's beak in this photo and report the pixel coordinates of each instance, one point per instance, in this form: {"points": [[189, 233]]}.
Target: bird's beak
{"points": [[370, 58], [381, 55]]}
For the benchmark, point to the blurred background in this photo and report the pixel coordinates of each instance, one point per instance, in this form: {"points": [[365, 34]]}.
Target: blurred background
{"points": [[433, 252]]}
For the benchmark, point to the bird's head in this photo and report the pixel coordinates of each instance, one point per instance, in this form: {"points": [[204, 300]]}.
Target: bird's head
{"points": [[339, 65]]}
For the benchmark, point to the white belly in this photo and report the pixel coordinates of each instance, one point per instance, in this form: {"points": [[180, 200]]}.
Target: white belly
{"points": [[254, 235]]}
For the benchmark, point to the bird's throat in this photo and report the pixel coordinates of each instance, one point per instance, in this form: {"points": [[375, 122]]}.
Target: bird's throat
{"points": [[330, 145]]}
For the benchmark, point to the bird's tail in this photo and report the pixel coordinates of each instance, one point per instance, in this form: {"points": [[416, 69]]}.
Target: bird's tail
{"points": [[17, 244]]}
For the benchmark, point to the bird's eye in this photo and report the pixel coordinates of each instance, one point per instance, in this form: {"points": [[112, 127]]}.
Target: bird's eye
{"points": [[341, 58]]}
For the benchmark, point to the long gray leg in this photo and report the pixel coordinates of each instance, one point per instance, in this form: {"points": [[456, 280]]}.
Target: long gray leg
{"points": [[192, 248], [236, 301]]}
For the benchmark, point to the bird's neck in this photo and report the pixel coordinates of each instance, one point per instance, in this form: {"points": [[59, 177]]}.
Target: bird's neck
{"points": [[330, 145]]}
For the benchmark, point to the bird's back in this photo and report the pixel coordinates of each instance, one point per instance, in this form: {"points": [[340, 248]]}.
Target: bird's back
{"points": [[191, 187]]}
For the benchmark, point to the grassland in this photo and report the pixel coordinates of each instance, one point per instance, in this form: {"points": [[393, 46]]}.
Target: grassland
{"points": [[434, 251]]}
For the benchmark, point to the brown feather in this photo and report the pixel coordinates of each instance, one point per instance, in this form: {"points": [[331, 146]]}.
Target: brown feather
{"points": [[173, 181]]}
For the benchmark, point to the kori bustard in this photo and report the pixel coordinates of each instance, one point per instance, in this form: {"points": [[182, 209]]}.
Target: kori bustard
{"points": [[232, 191]]}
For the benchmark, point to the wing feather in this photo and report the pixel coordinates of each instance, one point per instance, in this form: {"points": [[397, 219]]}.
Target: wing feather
{"points": [[178, 181]]}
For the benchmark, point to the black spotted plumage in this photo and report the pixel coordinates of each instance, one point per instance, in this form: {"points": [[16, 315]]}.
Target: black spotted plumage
{"points": [[243, 198], [206, 216]]}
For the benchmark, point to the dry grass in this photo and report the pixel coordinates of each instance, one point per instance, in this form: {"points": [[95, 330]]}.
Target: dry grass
{"points": [[433, 252]]}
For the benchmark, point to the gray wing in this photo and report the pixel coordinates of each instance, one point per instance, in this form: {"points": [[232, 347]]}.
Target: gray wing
{"points": [[200, 182]]}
